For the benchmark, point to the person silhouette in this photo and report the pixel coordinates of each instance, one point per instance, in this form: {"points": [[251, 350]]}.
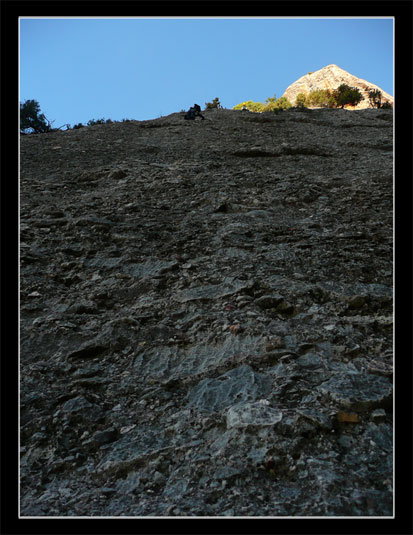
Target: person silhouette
{"points": [[194, 111]]}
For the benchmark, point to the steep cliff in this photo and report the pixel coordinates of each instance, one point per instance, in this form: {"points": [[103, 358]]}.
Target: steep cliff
{"points": [[206, 316]]}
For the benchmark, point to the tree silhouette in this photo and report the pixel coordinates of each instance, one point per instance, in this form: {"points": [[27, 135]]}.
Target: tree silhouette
{"points": [[345, 94], [375, 98], [32, 119]]}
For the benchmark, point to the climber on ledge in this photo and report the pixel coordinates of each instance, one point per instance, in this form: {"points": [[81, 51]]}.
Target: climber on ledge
{"points": [[194, 111]]}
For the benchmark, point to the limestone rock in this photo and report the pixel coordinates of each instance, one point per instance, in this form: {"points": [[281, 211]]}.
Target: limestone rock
{"points": [[330, 77], [252, 414]]}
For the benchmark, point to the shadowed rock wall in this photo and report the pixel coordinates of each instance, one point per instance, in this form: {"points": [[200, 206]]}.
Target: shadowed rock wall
{"points": [[206, 316]]}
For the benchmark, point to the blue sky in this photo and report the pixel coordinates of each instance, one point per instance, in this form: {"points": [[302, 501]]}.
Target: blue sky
{"points": [[142, 68]]}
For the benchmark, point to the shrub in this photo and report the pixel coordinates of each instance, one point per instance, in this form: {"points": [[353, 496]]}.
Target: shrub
{"points": [[301, 100], [240, 106], [375, 98], [78, 125], [92, 122], [345, 94], [257, 107], [329, 99], [276, 104], [282, 103], [215, 104], [271, 104], [322, 98], [32, 119], [386, 106], [325, 98], [250, 105]]}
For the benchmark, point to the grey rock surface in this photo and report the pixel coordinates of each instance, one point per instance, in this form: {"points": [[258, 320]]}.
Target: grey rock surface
{"points": [[207, 316]]}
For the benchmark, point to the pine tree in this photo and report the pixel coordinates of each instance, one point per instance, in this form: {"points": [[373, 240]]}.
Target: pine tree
{"points": [[345, 94], [32, 119]]}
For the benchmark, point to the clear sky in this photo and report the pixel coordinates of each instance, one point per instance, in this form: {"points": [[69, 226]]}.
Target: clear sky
{"points": [[141, 68]]}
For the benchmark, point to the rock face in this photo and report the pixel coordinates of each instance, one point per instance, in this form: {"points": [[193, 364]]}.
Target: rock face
{"points": [[330, 77], [206, 316]]}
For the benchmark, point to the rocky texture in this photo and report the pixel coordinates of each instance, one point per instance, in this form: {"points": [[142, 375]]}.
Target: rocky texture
{"points": [[206, 316], [330, 77]]}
